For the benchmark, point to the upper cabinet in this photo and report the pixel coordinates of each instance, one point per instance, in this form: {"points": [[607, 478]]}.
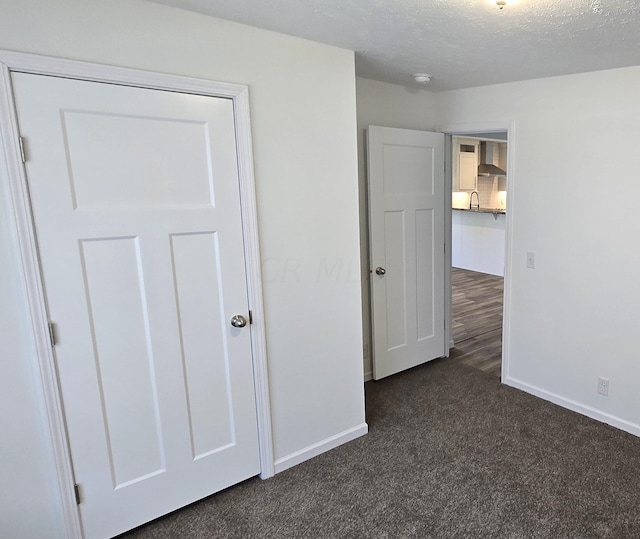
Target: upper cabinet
{"points": [[468, 163], [465, 164]]}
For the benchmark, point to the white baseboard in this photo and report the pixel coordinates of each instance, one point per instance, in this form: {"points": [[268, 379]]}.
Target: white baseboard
{"points": [[318, 448], [593, 413], [368, 376]]}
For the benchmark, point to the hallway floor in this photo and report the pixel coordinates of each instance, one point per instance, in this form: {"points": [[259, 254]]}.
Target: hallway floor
{"points": [[477, 319]]}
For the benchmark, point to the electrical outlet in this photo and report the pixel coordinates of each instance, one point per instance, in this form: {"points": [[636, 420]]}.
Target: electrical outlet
{"points": [[603, 387], [531, 260]]}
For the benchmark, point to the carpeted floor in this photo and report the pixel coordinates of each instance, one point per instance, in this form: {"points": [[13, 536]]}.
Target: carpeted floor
{"points": [[450, 453]]}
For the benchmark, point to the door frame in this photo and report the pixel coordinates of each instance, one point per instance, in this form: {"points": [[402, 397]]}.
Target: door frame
{"points": [[14, 184], [469, 129]]}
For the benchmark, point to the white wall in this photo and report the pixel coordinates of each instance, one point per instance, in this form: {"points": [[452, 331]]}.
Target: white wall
{"points": [[303, 112], [478, 242], [573, 200], [387, 105], [575, 192]]}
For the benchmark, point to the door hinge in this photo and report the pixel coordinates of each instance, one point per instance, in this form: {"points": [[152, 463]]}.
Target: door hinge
{"points": [[52, 334], [76, 490], [250, 318], [22, 153]]}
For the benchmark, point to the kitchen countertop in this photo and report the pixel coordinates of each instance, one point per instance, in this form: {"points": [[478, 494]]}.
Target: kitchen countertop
{"points": [[495, 211]]}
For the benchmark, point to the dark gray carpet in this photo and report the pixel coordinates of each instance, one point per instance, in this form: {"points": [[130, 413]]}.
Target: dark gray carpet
{"points": [[450, 453]]}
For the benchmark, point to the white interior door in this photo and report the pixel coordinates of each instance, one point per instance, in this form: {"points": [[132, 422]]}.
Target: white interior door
{"points": [[136, 206], [406, 230]]}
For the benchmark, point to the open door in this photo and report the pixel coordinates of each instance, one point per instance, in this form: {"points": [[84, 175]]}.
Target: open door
{"points": [[407, 244]]}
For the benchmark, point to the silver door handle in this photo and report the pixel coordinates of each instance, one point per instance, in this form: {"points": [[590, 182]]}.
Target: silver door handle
{"points": [[238, 321], [380, 271]]}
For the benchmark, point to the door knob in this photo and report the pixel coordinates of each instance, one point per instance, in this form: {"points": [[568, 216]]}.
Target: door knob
{"points": [[380, 271], [238, 321]]}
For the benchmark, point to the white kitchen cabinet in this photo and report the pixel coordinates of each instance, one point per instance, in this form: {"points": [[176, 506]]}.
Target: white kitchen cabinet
{"points": [[468, 164], [465, 164]]}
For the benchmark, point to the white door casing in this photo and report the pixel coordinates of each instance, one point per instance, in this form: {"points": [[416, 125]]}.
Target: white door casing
{"points": [[144, 246], [407, 242], [472, 130]]}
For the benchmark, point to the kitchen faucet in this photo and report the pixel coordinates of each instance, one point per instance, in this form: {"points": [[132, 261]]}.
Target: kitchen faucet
{"points": [[471, 200]]}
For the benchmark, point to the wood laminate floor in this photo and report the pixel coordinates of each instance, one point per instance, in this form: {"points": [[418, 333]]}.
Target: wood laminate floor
{"points": [[477, 319]]}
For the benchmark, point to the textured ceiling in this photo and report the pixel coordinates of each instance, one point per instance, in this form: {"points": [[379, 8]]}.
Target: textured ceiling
{"points": [[462, 43]]}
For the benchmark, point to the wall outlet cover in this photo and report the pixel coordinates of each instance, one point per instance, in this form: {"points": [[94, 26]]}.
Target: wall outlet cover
{"points": [[603, 387]]}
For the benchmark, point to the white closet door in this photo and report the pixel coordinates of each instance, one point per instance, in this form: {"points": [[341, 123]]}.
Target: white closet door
{"points": [[135, 199]]}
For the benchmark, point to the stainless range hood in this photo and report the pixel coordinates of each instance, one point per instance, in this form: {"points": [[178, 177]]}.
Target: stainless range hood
{"points": [[486, 166]]}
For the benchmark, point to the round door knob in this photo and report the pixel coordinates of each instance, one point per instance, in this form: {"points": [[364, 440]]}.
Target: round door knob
{"points": [[380, 271], [238, 321]]}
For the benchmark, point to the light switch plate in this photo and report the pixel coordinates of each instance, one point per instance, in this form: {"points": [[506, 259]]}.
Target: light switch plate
{"points": [[531, 260]]}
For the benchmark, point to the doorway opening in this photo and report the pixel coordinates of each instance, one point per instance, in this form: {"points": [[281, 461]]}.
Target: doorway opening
{"points": [[478, 244]]}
